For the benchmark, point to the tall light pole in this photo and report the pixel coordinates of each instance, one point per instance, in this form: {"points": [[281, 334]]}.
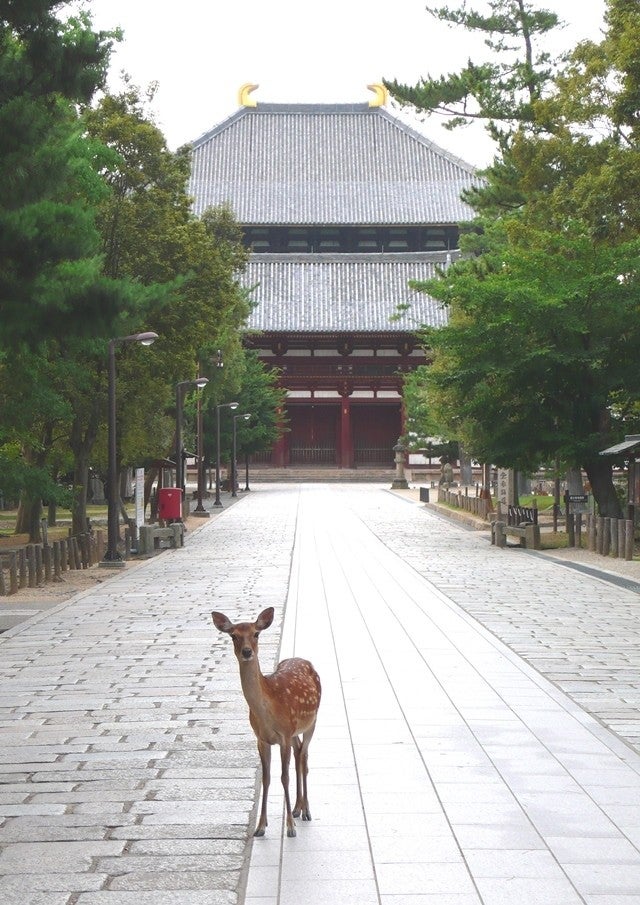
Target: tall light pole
{"points": [[234, 464], [112, 556], [199, 382], [200, 511], [223, 405]]}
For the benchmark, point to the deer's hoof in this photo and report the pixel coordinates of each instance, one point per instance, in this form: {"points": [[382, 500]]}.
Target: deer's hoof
{"points": [[291, 832], [259, 831]]}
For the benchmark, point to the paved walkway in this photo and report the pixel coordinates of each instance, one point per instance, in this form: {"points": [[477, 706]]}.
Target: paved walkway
{"points": [[445, 770]]}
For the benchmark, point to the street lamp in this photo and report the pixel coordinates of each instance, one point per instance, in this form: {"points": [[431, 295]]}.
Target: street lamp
{"points": [[112, 556], [223, 405], [200, 511], [234, 464], [199, 382]]}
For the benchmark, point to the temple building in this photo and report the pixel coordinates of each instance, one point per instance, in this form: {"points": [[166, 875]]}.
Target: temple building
{"points": [[342, 205]]}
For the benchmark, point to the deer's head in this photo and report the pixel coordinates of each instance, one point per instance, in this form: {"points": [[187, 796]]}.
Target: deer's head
{"points": [[244, 634]]}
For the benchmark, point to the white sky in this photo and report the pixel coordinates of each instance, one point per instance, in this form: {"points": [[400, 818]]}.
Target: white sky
{"points": [[201, 52]]}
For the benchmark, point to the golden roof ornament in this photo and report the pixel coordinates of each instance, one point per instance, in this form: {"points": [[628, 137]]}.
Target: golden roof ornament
{"points": [[243, 95], [381, 95]]}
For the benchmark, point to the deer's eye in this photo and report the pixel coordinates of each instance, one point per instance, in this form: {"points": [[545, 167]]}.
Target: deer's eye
{"points": [[256, 635]]}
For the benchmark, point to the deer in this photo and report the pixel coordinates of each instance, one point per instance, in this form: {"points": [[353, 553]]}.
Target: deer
{"points": [[283, 709]]}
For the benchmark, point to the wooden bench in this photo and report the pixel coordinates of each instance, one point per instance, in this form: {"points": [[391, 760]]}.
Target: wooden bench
{"points": [[152, 536], [528, 535]]}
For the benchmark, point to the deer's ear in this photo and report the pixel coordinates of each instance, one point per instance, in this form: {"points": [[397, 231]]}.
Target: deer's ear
{"points": [[221, 622], [265, 619]]}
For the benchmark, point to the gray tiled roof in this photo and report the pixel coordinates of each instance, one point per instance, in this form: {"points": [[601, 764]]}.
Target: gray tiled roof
{"points": [[327, 164], [327, 293]]}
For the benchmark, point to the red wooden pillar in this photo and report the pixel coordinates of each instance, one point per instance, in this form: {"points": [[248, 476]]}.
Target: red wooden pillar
{"points": [[346, 437], [279, 451]]}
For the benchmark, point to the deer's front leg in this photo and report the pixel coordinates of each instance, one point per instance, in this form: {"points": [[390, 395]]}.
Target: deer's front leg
{"points": [[285, 753], [265, 759]]}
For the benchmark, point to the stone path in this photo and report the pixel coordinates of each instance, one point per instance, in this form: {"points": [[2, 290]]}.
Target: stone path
{"points": [[444, 771]]}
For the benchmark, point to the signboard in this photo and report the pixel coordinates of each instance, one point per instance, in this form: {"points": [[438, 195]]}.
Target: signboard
{"points": [[577, 498], [506, 486], [139, 493]]}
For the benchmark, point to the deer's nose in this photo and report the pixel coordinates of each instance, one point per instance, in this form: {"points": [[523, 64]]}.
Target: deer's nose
{"points": [[247, 653]]}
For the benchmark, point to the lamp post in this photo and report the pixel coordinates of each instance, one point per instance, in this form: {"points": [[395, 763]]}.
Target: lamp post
{"points": [[223, 405], [112, 556], [200, 511], [199, 382], [234, 464]]}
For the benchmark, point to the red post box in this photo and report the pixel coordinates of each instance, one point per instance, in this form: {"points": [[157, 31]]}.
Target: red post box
{"points": [[170, 503]]}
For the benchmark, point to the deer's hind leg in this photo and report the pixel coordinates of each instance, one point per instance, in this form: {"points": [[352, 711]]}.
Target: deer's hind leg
{"points": [[301, 756]]}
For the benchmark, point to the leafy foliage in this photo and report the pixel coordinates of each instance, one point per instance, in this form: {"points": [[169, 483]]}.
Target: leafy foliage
{"points": [[538, 360]]}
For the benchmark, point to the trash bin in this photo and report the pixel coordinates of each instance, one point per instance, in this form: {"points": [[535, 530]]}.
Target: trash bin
{"points": [[170, 503]]}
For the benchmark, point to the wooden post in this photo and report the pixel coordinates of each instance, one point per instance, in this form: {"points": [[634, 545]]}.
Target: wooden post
{"points": [[613, 544], [3, 585], [57, 567], [622, 540], [83, 542], [64, 557], [571, 535], [13, 572], [606, 536], [599, 533], [31, 565], [591, 531], [578, 523], [628, 547], [38, 563], [47, 561]]}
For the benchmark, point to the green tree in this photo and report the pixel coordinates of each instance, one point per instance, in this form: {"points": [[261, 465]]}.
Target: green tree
{"points": [[501, 91], [537, 360], [50, 271], [52, 286], [541, 342], [188, 266]]}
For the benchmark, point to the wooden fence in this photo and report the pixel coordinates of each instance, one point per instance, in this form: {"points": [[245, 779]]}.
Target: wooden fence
{"points": [[462, 499], [34, 564], [606, 536]]}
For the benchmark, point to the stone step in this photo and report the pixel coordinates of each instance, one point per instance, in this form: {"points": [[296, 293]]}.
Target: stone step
{"points": [[318, 474]]}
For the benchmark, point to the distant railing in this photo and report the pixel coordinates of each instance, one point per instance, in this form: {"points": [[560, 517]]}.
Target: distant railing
{"points": [[373, 455], [312, 455]]}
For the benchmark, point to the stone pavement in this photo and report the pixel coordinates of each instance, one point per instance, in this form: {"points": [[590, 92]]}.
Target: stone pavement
{"points": [[445, 769]]}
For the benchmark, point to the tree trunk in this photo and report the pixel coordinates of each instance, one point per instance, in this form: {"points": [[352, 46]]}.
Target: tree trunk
{"points": [[80, 485], [150, 477], [28, 519], [600, 476], [82, 440], [30, 508]]}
